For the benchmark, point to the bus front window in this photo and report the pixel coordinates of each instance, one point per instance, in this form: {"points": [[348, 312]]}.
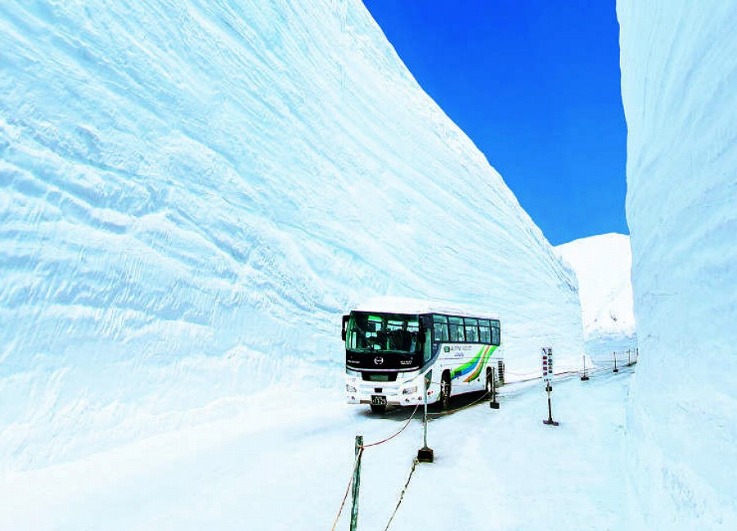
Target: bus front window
{"points": [[369, 332]]}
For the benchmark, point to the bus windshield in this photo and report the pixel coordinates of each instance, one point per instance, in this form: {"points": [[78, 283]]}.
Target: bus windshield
{"points": [[381, 332]]}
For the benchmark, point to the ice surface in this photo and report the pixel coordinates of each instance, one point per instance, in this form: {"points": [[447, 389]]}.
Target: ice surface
{"points": [[679, 87], [192, 193], [603, 266]]}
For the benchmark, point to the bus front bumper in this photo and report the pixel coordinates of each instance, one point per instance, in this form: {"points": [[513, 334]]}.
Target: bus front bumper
{"points": [[361, 392]]}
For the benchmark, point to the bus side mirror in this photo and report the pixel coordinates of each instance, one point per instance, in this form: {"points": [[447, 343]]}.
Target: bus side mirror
{"points": [[344, 328]]}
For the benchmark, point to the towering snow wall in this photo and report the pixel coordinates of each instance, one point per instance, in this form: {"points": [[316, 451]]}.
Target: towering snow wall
{"points": [[192, 193], [603, 267], [679, 86]]}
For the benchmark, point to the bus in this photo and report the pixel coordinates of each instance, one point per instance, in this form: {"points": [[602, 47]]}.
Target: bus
{"points": [[390, 348]]}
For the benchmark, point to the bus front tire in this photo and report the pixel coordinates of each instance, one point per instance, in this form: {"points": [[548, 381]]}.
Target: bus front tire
{"points": [[378, 408]]}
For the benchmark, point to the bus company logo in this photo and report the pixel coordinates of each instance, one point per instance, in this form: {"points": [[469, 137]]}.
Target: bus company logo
{"points": [[446, 349], [378, 360]]}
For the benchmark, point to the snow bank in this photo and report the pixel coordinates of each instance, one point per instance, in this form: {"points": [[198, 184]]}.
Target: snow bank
{"points": [[191, 195], [603, 266], [679, 86]]}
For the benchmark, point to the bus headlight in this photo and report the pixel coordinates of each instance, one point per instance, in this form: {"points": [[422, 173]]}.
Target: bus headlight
{"points": [[350, 388], [410, 390]]}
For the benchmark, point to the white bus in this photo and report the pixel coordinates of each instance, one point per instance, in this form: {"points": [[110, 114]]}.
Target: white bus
{"points": [[391, 346]]}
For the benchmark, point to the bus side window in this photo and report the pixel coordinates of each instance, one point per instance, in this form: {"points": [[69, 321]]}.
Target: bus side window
{"points": [[484, 331], [456, 329], [472, 331], [440, 329]]}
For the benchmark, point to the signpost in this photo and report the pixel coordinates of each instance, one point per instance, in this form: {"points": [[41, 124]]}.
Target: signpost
{"points": [[547, 364], [547, 359]]}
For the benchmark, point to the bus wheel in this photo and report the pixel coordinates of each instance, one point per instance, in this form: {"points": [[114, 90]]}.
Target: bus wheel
{"points": [[378, 408], [445, 392]]}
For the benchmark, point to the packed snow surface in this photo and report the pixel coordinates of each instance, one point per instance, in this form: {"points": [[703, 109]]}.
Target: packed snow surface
{"points": [[193, 193], [284, 462], [679, 87], [603, 267]]}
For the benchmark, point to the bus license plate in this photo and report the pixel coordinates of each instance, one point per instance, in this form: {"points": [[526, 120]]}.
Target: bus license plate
{"points": [[377, 400]]}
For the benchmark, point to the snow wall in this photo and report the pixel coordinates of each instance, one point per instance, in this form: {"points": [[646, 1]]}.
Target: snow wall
{"points": [[193, 193], [679, 86], [603, 267]]}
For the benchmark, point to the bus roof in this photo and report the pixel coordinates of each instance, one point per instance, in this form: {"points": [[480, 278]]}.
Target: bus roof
{"points": [[417, 306]]}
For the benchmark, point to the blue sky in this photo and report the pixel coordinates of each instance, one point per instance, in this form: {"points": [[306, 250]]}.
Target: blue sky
{"points": [[536, 85]]}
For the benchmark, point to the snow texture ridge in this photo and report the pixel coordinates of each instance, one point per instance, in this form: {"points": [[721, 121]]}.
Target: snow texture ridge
{"points": [[192, 193], [679, 87]]}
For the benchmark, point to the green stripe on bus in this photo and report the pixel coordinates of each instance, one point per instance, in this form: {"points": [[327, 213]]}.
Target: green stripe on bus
{"points": [[480, 366], [466, 367]]}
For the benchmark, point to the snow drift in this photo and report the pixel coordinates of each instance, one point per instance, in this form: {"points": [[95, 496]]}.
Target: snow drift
{"points": [[603, 266], [192, 193], [679, 86]]}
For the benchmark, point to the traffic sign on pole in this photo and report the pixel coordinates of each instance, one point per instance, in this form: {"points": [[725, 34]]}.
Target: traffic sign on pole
{"points": [[547, 360]]}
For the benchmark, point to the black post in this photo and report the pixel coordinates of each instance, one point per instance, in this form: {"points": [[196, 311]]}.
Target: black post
{"points": [[585, 376], [493, 404], [425, 454], [629, 358], [550, 421], [615, 362]]}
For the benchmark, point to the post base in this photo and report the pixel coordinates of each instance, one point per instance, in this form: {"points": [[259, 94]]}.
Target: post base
{"points": [[494, 405], [425, 455], [551, 422], [615, 370], [584, 378]]}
